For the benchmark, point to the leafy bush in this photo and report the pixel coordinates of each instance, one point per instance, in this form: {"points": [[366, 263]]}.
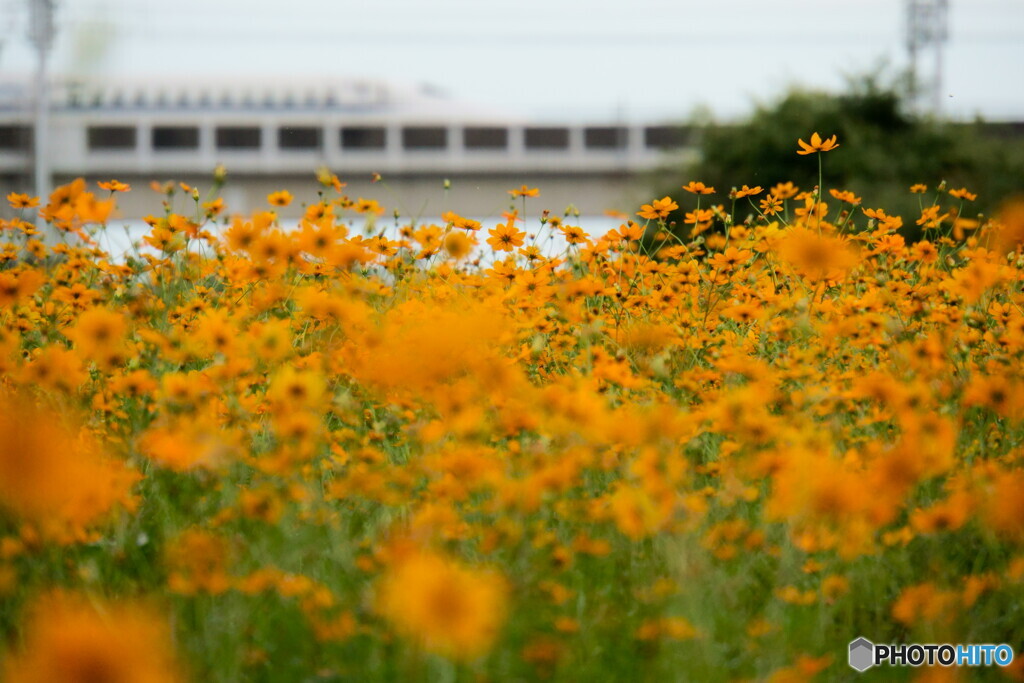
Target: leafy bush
{"points": [[887, 149]]}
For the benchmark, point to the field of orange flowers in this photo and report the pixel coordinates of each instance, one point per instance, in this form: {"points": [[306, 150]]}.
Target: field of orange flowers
{"points": [[244, 452]]}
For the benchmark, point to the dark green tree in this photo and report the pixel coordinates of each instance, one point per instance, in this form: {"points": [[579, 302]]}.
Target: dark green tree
{"points": [[884, 149]]}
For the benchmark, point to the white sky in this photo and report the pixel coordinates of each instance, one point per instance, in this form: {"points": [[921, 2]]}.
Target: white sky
{"points": [[567, 59]]}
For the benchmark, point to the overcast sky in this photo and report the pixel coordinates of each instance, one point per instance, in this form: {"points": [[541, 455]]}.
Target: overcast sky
{"points": [[568, 59]]}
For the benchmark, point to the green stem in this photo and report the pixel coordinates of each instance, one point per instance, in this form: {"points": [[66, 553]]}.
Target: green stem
{"points": [[821, 192]]}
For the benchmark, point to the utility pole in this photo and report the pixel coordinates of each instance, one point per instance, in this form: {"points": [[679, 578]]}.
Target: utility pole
{"points": [[40, 34], [927, 30]]}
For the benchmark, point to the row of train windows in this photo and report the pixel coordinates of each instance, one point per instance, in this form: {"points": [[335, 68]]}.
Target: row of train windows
{"points": [[109, 138]]}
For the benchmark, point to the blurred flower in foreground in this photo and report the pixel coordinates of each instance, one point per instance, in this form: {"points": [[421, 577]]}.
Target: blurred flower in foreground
{"points": [[73, 639], [447, 608], [1009, 226], [54, 476]]}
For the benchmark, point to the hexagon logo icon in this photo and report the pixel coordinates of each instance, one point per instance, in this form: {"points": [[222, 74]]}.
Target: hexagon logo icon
{"points": [[862, 654]]}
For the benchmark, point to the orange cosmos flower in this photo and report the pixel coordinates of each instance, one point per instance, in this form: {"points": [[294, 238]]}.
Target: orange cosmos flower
{"points": [[457, 221], [505, 237], [368, 206], [447, 608], [817, 145], [659, 208], [282, 198], [16, 285], [22, 201], [187, 444], [98, 333], [845, 196], [114, 186], [731, 259], [771, 205], [784, 190], [78, 639], [1009, 225], [213, 208], [962, 193], [573, 234], [525, 191], [54, 475], [701, 216], [457, 244], [328, 179], [697, 187]]}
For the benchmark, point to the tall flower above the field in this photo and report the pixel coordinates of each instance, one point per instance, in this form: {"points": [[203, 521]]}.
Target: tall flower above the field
{"points": [[817, 145], [447, 608], [525, 191], [76, 640]]}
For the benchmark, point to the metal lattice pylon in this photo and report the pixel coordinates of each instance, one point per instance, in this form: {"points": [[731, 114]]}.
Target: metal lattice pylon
{"points": [[927, 32], [41, 30]]}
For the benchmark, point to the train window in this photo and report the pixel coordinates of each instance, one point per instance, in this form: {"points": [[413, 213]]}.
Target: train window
{"points": [[239, 137], [111, 137], [299, 138], [424, 137], [547, 138], [604, 137], [665, 137], [363, 137], [485, 137], [175, 137], [15, 138]]}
